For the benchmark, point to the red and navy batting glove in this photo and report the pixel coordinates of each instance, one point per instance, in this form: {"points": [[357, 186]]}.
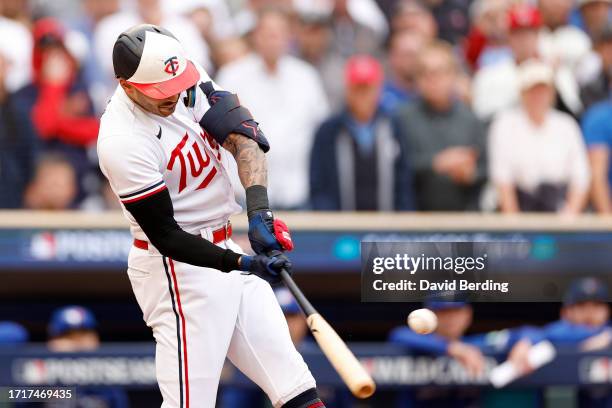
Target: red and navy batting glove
{"points": [[267, 234], [266, 267]]}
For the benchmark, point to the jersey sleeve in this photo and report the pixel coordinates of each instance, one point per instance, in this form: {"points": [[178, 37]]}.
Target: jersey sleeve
{"points": [[419, 343], [133, 167]]}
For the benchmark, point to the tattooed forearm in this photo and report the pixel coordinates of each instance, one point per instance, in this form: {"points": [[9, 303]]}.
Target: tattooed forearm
{"points": [[251, 160]]}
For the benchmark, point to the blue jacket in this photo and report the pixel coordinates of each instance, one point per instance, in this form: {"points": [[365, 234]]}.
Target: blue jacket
{"points": [[500, 341], [564, 333], [331, 184]]}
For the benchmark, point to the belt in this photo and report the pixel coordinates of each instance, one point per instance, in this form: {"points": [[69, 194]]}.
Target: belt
{"points": [[219, 235]]}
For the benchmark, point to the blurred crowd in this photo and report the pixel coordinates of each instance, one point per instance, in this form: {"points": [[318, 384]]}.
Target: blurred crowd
{"points": [[387, 105]]}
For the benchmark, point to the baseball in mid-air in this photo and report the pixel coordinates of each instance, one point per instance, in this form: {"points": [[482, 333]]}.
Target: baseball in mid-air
{"points": [[422, 321]]}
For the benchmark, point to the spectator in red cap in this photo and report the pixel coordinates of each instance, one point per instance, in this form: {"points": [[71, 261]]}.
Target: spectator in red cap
{"points": [[358, 160], [487, 40], [496, 87], [445, 139]]}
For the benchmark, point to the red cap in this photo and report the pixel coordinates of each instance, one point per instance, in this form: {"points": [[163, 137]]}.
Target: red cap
{"points": [[363, 70], [524, 16]]}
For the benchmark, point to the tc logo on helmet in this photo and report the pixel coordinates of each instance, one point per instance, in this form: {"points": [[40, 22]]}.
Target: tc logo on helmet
{"points": [[172, 65]]}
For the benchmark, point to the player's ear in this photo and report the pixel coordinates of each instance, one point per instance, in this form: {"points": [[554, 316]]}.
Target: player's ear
{"points": [[127, 87]]}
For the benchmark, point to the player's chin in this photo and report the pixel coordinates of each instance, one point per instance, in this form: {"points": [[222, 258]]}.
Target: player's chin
{"points": [[166, 110]]}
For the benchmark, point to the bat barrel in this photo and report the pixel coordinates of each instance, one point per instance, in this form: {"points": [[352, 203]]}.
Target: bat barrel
{"points": [[337, 352]]}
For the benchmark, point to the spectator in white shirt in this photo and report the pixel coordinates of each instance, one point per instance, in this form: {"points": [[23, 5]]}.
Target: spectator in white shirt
{"points": [[495, 86], [537, 157], [286, 96]]}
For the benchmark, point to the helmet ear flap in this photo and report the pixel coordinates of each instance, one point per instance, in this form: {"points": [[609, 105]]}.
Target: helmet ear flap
{"points": [[190, 98]]}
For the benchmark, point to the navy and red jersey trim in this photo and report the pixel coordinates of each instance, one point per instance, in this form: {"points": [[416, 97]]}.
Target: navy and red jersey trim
{"points": [[145, 192]]}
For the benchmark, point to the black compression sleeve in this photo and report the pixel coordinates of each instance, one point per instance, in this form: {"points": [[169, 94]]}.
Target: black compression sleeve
{"points": [[155, 215], [256, 199]]}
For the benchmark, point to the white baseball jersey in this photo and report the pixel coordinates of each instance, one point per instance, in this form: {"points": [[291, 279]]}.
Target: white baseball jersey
{"points": [[198, 315], [141, 154]]}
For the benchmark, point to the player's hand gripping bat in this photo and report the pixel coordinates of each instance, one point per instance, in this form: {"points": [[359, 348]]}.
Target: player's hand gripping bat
{"points": [[341, 358]]}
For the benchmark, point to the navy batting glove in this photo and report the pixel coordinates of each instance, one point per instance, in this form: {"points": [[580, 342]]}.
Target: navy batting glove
{"points": [[266, 267], [261, 232], [213, 95]]}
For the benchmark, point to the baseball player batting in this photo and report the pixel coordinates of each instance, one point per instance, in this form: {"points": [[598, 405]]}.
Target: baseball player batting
{"points": [[166, 139]]}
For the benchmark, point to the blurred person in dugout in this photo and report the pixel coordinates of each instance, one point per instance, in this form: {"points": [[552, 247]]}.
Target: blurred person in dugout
{"points": [[450, 338], [455, 316], [58, 104], [238, 397], [286, 95], [73, 329], [495, 88], [13, 334], [400, 85], [584, 326], [445, 139], [359, 160], [537, 157]]}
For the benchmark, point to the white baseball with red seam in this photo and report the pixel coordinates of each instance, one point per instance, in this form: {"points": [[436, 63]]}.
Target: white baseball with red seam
{"points": [[422, 321]]}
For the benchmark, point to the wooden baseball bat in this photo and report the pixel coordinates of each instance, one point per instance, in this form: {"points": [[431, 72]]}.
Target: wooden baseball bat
{"points": [[341, 358]]}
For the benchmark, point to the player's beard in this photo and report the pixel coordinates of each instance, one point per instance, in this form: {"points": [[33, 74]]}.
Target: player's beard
{"points": [[167, 109]]}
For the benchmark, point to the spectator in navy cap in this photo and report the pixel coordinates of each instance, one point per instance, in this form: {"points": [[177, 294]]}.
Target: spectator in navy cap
{"points": [[585, 303], [12, 333], [73, 329], [584, 324]]}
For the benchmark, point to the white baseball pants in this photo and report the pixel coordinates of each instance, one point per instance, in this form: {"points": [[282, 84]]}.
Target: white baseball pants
{"points": [[201, 315]]}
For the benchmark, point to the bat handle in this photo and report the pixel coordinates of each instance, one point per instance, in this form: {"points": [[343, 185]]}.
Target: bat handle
{"points": [[305, 305]]}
